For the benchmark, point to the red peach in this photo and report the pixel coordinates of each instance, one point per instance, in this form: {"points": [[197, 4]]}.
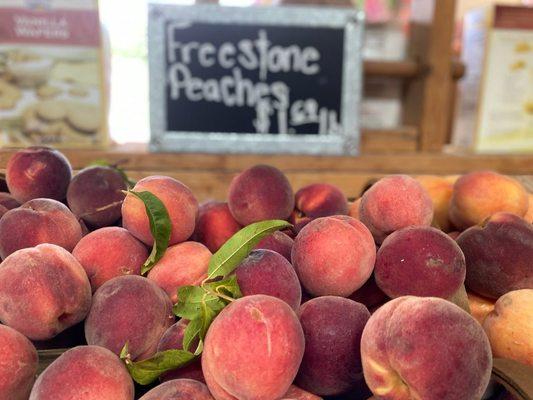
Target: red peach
{"points": [[38, 221], [181, 205], [43, 291], [260, 193], [18, 366], [279, 242], [333, 256], [425, 348], [215, 225], [129, 309], [38, 172], [8, 201], [179, 389], [84, 372], [110, 252], [183, 264], [440, 191], [395, 202]]}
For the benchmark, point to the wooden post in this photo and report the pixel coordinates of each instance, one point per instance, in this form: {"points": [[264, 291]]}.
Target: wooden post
{"points": [[428, 99]]}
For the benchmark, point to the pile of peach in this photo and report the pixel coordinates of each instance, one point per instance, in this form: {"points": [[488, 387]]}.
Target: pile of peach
{"points": [[406, 293]]}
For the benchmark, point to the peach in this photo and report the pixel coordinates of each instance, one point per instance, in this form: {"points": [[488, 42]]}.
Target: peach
{"points": [[95, 195], [109, 252], [332, 359], [260, 193], [510, 325], [279, 242], [18, 365], [183, 264], [131, 309], [43, 291], [38, 221], [253, 349], [173, 339], [3, 210], [319, 200], [215, 225], [420, 261], [84, 372], [268, 272], [425, 348], [179, 201], [8, 201], [38, 172], [498, 255], [529, 214], [480, 306], [179, 389], [478, 195], [395, 202], [295, 393], [333, 256], [370, 294], [440, 191]]}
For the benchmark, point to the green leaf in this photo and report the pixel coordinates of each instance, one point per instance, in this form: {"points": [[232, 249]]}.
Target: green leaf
{"points": [[191, 299], [146, 371], [160, 226], [191, 332], [103, 163], [225, 287], [237, 248]]}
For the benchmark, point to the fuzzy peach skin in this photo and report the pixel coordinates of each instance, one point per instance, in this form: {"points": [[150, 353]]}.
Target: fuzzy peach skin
{"points": [[480, 306], [215, 225], [279, 242], [268, 272], [370, 294], [84, 372], [173, 339], [478, 195], [43, 291], [332, 359], [132, 309], [179, 389], [529, 214], [110, 252], [420, 261], [3, 210], [95, 195], [38, 221], [8, 201], [333, 256], [440, 191], [318, 200], [425, 348], [184, 264], [510, 326], [38, 172], [18, 364], [253, 349], [259, 193], [181, 205], [295, 393], [498, 255], [395, 202]]}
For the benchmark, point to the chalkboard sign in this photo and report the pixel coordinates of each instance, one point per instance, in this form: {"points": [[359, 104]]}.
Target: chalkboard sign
{"points": [[259, 79]]}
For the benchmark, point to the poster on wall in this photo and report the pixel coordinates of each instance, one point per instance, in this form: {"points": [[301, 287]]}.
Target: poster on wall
{"points": [[52, 89], [256, 80], [506, 103]]}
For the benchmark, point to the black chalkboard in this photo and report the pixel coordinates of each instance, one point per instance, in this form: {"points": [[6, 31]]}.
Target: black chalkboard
{"points": [[295, 98], [254, 79]]}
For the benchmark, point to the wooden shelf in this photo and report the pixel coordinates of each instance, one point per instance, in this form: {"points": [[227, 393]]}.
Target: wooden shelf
{"points": [[209, 175], [406, 69]]}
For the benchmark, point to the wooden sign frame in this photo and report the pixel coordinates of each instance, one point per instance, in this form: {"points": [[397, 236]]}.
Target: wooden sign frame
{"points": [[345, 142]]}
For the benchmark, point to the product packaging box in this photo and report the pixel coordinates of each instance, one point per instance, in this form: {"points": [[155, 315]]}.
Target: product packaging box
{"points": [[52, 75]]}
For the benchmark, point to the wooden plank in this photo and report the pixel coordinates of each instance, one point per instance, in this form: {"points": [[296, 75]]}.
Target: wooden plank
{"points": [[136, 157], [405, 69]]}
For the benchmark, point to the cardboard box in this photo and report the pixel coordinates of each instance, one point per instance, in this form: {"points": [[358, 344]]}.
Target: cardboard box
{"points": [[52, 89]]}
